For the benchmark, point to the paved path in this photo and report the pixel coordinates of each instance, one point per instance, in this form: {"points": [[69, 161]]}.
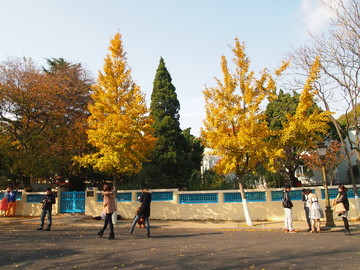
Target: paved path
{"points": [[72, 244], [82, 220]]}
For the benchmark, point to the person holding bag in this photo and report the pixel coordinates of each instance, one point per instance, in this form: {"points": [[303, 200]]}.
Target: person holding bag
{"points": [[109, 207], [342, 207]]}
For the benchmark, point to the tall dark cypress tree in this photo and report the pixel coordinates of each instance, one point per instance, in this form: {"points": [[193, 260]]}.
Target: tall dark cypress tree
{"points": [[170, 165]]}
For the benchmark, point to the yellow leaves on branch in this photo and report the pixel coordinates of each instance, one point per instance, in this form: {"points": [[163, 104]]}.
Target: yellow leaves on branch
{"points": [[234, 125], [119, 126], [305, 127]]}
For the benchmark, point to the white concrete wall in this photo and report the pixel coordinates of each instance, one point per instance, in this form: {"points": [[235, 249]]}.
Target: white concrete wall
{"points": [[23, 208], [173, 210]]}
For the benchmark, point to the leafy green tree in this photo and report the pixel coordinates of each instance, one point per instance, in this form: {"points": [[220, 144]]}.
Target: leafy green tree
{"points": [[276, 112], [177, 154]]}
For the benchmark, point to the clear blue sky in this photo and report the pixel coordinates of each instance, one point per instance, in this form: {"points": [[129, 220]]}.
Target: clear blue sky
{"points": [[191, 36]]}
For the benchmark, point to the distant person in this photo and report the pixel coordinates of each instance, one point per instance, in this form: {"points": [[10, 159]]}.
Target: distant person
{"points": [[47, 202], [287, 204], [109, 207], [144, 211], [343, 198], [4, 202], [11, 207], [315, 212], [306, 203]]}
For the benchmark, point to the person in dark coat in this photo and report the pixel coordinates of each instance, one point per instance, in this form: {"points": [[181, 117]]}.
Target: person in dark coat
{"points": [[144, 211], [343, 198], [47, 201]]}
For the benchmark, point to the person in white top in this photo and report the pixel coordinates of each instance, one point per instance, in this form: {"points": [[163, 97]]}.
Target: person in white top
{"points": [[315, 211]]}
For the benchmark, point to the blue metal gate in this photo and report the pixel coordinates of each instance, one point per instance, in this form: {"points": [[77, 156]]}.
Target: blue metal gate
{"points": [[72, 202]]}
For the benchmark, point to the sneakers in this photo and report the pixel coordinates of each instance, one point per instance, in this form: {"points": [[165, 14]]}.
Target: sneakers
{"points": [[47, 229], [347, 233]]}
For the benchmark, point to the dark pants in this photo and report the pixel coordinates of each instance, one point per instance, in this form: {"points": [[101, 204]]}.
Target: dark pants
{"points": [[147, 224], [346, 224], [108, 220], [42, 218], [307, 212]]}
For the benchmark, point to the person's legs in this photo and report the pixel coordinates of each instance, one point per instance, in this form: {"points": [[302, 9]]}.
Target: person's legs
{"points": [[318, 225], [346, 225], [14, 209], [42, 219], [285, 220], [288, 219], [134, 223], [9, 209], [308, 220], [106, 222], [147, 224], [49, 218], [313, 225], [111, 226]]}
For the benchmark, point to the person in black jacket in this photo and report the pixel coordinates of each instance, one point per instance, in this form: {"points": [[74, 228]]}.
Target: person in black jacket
{"points": [[343, 198], [287, 204], [47, 201], [144, 210]]}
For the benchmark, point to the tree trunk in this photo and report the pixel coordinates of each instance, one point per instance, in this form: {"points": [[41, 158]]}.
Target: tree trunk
{"points": [[26, 182], [347, 154], [244, 201], [293, 179], [116, 180]]}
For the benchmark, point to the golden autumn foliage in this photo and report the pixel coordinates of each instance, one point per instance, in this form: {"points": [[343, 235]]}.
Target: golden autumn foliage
{"points": [[42, 118], [304, 129], [234, 126], [119, 126]]}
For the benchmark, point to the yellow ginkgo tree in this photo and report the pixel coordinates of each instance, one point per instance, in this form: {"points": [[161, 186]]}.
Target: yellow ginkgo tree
{"points": [[119, 125], [306, 126], [235, 127]]}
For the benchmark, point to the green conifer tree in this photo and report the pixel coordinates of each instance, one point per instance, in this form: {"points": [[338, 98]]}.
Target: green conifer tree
{"points": [[171, 163]]}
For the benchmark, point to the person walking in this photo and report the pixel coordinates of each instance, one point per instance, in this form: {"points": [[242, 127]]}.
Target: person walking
{"points": [[306, 203], [4, 202], [47, 202], [144, 210], [287, 204], [315, 211], [343, 198], [11, 207], [109, 207]]}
